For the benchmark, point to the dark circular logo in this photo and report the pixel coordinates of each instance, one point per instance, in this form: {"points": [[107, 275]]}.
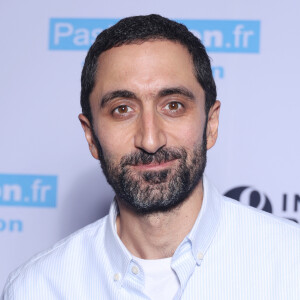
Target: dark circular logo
{"points": [[249, 196]]}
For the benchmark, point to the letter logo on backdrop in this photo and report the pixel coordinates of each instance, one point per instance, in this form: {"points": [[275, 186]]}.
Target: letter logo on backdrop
{"points": [[223, 36], [28, 190], [290, 202], [249, 196]]}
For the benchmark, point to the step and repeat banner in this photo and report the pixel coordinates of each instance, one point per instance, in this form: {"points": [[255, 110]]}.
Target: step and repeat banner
{"points": [[50, 185]]}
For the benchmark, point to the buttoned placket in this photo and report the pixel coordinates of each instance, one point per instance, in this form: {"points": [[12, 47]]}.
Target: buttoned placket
{"points": [[134, 279], [184, 264]]}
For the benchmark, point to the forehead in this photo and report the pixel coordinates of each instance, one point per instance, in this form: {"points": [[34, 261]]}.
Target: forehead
{"points": [[156, 49], [149, 63]]}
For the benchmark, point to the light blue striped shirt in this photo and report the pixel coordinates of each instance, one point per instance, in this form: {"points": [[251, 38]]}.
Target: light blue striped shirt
{"points": [[232, 252]]}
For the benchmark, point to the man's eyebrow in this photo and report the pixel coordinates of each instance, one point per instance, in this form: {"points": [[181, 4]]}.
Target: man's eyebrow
{"points": [[162, 93], [176, 90], [116, 94]]}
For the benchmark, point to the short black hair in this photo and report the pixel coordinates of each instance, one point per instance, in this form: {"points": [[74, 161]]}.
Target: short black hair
{"points": [[139, 29]]}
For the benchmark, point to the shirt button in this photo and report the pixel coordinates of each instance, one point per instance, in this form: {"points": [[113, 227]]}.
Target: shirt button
{"points": [[117, 277], [200, 255], [135, 270]]}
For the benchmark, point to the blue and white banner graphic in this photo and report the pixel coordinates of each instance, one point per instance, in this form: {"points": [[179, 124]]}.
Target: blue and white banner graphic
{"points": [[221, 36], [28, 190]]}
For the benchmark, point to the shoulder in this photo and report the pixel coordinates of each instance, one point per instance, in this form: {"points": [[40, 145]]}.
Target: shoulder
{"points": [[257, 225], [235, 208], [59, 259]]}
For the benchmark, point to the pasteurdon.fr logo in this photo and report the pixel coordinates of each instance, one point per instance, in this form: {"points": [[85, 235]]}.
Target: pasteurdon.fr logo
{"points": [[249, 196]]}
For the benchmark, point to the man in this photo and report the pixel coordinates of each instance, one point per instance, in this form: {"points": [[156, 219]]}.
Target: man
{"points": [[149, 115]]}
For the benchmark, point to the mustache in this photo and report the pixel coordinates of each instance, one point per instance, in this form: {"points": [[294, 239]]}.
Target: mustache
{"points": [[163, 155]]}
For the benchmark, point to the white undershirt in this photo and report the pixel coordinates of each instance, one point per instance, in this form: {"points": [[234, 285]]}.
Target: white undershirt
{"points": [[161, 282]]}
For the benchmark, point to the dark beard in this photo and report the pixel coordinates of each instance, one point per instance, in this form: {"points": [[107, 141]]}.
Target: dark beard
{"points": [[155, 191]]}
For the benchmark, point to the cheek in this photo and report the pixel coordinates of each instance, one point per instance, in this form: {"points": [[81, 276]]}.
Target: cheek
{"points": [[187, 134], [115, 140]]}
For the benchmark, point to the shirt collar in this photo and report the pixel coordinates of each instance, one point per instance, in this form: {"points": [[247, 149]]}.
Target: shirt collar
{"points": [[207, 222], [119, 256]]}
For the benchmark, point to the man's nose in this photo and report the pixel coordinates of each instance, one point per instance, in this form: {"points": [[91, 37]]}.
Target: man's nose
{"points": [[150, 135]]}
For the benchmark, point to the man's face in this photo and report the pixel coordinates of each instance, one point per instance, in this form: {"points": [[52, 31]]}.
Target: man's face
{"points": [[149, 124]]}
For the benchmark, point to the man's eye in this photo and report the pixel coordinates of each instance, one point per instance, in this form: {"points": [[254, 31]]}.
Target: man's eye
{"points": [[173, 106], [122, 109]]}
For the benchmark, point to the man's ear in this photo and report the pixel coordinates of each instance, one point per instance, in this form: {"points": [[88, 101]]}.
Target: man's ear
{"points": [[87, 128], [213, 124]]}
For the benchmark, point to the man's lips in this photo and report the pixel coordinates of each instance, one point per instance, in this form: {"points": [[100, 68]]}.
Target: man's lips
{"points": [[155, 166]]}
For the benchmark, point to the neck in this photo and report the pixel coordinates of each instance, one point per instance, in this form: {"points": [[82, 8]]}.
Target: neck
{"points": [[158, 235]]}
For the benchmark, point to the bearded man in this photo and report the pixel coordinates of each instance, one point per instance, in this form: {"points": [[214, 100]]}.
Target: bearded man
{"points": [[149, 113]]}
